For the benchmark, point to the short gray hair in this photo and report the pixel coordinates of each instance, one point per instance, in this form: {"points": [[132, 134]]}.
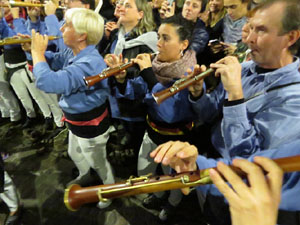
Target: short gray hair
{"points": [[86, 21]]}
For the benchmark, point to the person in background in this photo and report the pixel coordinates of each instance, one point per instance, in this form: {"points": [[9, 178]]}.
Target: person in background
{"points": [[191, 11], [85, 109], [234, 20], [9, 106], [110, 26], [107, 9], [8, 194], [156, 7], [213, 18], [24, 27], [233, 23], [20, 77]]}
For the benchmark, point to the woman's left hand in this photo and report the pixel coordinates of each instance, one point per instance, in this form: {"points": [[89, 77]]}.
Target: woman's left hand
{"points": [[113, 61], [143, 60]]}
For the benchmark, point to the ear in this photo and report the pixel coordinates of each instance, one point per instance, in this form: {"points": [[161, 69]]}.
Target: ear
{"points": [[293, 36], [141, 14], [82, 37], [185, 44]]}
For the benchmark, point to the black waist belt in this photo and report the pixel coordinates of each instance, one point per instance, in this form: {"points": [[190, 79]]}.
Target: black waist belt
{"points": [[11, 71]]}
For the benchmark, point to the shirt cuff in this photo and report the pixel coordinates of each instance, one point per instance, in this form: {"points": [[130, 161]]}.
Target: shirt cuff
{"points": [[235, 113], [40, 66], [149, 77], [232, 103]]}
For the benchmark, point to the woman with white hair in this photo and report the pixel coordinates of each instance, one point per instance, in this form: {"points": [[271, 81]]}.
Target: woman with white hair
{"points": [[85, 109]]}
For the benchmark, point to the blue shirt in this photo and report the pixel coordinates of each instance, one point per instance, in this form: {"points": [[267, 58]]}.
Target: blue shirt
{"points": [[290, 198], [232, 30], [263, 122], [25, 26], [6, 31], [53, 28], [68, 81], [175, 109]]}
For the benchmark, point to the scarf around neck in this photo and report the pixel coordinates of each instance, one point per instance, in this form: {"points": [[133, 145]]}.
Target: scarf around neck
{"points": [[149, 39], [167, 72]]}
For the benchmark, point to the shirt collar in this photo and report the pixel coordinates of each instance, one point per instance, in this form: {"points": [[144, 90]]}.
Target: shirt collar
{"points": [[276, 74], [82, 53]]}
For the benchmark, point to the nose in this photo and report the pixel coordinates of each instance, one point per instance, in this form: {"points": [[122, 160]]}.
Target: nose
{"points": [[159, 43], [251, 37], [121, 8]]}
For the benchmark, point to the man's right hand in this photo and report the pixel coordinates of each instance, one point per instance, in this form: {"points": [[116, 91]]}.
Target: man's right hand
{"points": [[229, 69], [197, 88]]}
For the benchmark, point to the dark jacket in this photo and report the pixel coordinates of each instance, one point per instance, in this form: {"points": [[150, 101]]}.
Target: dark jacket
{"points": [[216, 31], [200, 37]]}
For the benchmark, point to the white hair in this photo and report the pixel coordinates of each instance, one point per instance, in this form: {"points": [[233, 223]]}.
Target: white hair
{"points": [[86, 21]]}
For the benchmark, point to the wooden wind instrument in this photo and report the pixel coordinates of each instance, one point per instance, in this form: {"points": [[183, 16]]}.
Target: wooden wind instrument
{"points": [[75, 196], [25, 4], [108, 72], [18, 40], [179, 85]]}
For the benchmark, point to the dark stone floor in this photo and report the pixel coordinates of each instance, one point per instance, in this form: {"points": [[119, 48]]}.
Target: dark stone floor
{"points": [[40, 180]]}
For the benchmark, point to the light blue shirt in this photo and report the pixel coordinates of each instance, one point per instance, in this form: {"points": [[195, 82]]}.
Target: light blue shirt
{"points": [[68, 81], [263, 122], [290, 198], [232, 30], [173, 110], [53, 28], [6, 31]]}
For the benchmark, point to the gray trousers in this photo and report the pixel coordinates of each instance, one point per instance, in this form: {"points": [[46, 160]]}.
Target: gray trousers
{"points": [[24, 88], [147, 165], [9, 106], [89, 153], [10, 196]]}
